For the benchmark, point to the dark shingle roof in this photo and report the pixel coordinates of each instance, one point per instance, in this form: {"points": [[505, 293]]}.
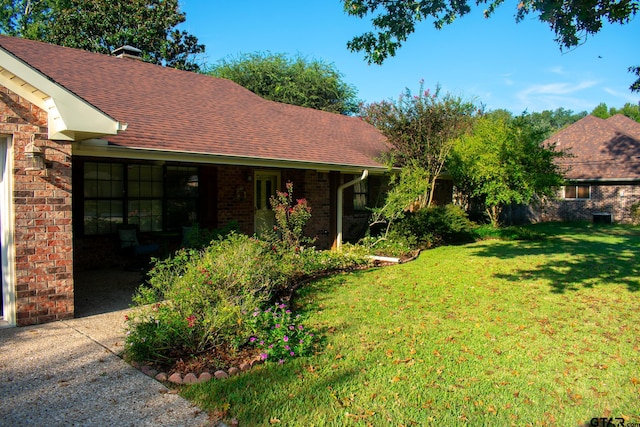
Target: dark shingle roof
{"points": [[169, 109], [601, 149]]}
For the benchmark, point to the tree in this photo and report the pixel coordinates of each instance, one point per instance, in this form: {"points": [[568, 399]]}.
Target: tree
{"points": [[104, 25], [298, 81], [630, 110], [503, 161], [421, 129], [394, 20], [558, 118], [635, 86]]}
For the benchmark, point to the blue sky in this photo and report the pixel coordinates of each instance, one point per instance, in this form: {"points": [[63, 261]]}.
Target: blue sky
{"points": [[493, 61]]}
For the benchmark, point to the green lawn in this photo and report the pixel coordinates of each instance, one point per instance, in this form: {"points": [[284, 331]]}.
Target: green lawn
{"points": [[493, 333]]}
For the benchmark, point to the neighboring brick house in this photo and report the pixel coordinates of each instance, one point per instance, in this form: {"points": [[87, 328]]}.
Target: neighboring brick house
{"points": [[127, 142], [603, 171]]}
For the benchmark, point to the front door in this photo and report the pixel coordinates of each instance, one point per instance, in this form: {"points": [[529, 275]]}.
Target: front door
{"points": [[266, 184]]}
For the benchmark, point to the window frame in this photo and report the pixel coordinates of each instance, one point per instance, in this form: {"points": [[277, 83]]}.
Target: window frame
{"points": [[134, 191], [576, 190], [361, 190]]}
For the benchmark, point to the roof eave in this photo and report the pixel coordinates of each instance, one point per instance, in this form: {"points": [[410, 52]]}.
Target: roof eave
{"points": [[70, 118], [101, 148], [605, 180]]}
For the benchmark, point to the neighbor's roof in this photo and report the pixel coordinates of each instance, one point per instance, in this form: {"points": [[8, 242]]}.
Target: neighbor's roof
{"points": [[184, 112], [602, 150]]}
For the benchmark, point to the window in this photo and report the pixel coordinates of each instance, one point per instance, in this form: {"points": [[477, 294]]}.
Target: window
{"points": [[103, 197], [153, 197], [182, 196], [577, 192], [360, 193]]}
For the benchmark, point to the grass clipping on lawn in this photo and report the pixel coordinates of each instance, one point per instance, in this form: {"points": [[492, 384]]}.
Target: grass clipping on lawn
{"points": [[491, 333]]}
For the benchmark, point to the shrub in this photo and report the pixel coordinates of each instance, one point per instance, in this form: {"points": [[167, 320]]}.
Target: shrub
{"points": [[488, 231], [195, 301], [198, 301], [393, 245], [437, 225], [278, 334], [290, 220], [635, 213], [199, 238]]}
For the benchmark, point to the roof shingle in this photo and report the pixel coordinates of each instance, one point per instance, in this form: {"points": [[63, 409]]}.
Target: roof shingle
{"points": [[601, 149], [173, 110]]}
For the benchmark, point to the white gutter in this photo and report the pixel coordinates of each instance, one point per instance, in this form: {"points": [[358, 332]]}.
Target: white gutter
{"points": [[341, 188]]}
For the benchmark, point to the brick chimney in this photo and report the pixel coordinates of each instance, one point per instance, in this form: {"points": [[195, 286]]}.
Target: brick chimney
{"points": [[127, 51]]}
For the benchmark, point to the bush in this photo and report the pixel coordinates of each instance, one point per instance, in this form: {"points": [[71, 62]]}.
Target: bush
{"points": [[198, 301], [635, 213], [199, 238], [393, 245], [488, 231], [278, 334], [437, 225]]}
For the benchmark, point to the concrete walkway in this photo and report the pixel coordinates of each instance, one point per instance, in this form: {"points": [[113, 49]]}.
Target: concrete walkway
{"points": [[68, 374]]}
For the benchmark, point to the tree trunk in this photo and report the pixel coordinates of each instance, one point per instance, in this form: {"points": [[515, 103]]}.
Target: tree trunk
{"points": [[494, 215]]}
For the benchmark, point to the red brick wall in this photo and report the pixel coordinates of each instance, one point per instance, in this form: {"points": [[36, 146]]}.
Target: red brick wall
{"points": [[235, 196], [43, 229], [614, 199], [316, 191]]}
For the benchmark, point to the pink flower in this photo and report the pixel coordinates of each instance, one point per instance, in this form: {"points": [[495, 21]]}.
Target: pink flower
{"points": [[192, 321], [285, 339]]}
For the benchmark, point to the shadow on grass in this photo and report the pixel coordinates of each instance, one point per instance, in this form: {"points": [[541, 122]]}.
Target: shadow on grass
{"points": [[577, 256]]}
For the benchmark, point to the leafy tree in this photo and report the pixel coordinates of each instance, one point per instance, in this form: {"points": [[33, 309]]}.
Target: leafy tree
{"points": [[104, 25], [394, 20], [630, 110], [558, 118], [635, 86], [25, 18], [503, 161], [405, 188], [421, 129], [298, 81]]}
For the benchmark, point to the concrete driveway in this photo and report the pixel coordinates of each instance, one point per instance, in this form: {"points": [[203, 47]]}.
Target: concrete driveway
{"points": [[68, 374]]}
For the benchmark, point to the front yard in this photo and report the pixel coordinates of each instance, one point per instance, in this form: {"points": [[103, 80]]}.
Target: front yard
{"points": [[492, 333]]}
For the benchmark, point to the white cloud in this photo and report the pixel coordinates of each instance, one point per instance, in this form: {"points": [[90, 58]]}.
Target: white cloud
{"points": [[624, 96], [555, 88], [555, 95], [557, 70]]}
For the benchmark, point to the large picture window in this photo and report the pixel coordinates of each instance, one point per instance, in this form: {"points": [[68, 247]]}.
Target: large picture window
{"points": [[577, 192], [153, 197]]}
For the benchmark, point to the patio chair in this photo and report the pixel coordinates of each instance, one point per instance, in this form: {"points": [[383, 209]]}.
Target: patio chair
{"points": [[129, 242]]}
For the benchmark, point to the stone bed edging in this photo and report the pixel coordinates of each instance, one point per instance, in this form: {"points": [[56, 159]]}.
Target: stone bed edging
{"points": [[191, 378]]}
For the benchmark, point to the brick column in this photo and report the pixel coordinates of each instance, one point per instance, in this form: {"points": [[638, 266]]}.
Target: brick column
{"points": [[43, 235]]}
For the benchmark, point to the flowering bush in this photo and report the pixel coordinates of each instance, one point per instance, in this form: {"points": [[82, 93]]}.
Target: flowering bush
{"points": [[196, 305], [278, 334], [290, 219], [202, 301]]}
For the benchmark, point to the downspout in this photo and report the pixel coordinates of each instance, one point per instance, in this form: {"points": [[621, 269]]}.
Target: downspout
{"points": [[341, 188]]}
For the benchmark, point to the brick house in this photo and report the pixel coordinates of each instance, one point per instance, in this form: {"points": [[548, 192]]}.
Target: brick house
{"points": [[90, 142], [603, 171]]}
